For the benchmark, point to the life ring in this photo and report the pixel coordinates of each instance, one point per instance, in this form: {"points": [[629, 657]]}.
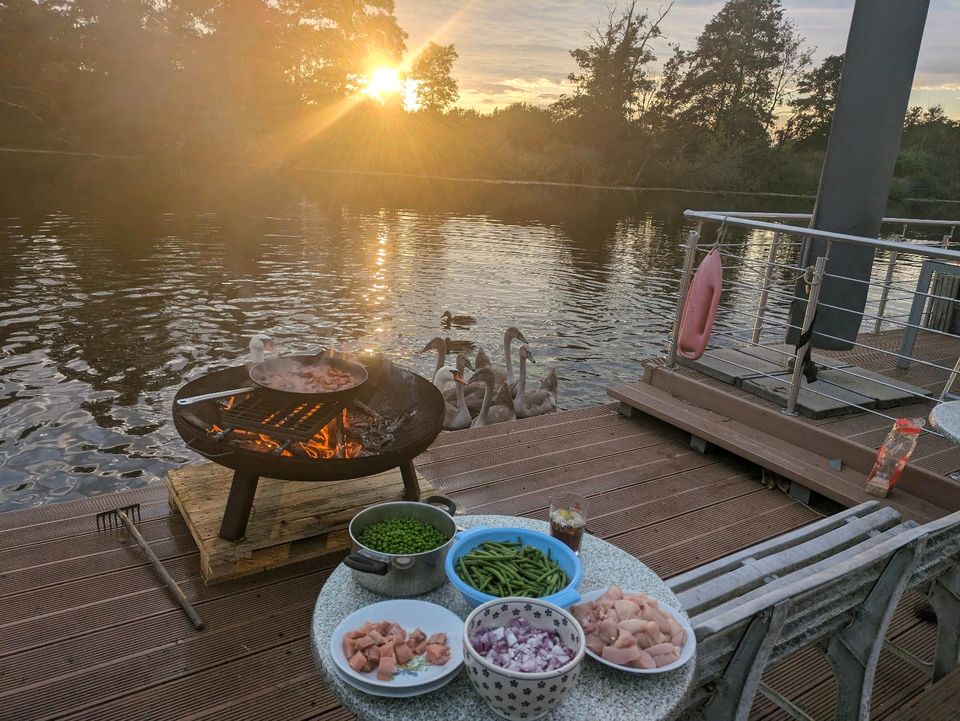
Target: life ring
{"points": [[700, 307]]}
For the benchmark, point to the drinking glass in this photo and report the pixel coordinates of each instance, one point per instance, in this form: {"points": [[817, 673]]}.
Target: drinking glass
{"points": [[568, 519]]}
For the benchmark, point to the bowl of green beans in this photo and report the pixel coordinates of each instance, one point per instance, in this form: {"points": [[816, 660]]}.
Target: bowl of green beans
{"points": [[489, 563]]}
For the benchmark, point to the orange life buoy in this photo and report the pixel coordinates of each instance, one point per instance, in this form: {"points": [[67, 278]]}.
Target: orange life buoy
{"points": [[700, 307]]}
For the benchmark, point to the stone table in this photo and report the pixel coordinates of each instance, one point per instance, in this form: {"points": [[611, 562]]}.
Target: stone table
{"points": [[945, 418], [601, 692]]}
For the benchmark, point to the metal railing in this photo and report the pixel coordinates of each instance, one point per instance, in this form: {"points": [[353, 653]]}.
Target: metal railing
{"points": [[761, 285]]}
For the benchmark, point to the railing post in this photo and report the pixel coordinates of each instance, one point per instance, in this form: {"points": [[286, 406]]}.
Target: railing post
{"points": [[947, 237], [886, 283], [693, 239], [809, 313], [767, 279]]}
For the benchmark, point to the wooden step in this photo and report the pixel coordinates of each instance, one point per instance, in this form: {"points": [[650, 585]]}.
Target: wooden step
{"points": [[797, 464]]}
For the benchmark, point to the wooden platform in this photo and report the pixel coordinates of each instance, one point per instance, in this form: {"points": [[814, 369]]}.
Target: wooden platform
{"points": [[88, 633], [290, 521]]}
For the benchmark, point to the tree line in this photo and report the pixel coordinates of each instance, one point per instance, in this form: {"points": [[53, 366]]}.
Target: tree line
{"points": [[278, 82]]}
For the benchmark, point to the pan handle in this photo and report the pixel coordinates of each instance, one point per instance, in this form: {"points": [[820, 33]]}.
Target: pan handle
{"points": [[443, 502], [190, 400]]}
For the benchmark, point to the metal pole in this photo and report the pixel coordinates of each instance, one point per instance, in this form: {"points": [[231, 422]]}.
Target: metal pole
{"points": [[885, 293], [791, 409], [693, 239], [767, 279], [947, 237]]}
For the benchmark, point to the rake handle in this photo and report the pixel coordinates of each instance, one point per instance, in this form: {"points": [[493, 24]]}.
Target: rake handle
{"points": [[162, 572]]}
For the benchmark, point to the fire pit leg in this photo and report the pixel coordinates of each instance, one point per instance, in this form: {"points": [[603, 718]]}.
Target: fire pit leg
{"points": [[239, 503], [411, 488]]}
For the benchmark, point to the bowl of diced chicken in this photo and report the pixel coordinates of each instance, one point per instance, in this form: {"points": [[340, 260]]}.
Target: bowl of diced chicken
{"points": [[633, 632]]}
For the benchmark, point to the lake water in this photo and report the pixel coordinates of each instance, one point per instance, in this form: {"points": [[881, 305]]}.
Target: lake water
{"points": [[108, 305]]}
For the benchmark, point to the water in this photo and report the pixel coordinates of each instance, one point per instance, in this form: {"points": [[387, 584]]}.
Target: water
{"points": [[107, 308]]}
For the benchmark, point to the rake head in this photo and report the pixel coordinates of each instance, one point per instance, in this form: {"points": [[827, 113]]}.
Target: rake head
{"points": [[111, 519]]}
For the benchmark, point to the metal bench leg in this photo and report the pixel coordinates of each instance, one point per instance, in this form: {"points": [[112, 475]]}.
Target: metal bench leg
{"points": [[945, 599], [854, 651], [733, 697]]}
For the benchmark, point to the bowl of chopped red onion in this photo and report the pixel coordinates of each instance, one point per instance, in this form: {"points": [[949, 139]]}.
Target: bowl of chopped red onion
{"points": [[522, 655]]}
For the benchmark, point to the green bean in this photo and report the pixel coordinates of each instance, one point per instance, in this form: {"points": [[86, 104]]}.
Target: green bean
{"points": [[505, 568]]}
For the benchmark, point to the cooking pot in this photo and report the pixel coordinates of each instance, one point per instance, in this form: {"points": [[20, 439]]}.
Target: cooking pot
{"points": [[397, 575]]}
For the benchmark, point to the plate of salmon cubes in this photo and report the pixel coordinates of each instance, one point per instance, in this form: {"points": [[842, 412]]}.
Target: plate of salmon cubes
{"points": [[634, 632], [398, 644]]}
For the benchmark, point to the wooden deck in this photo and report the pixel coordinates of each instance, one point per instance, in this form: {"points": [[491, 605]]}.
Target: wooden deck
{"points": [[87, 632]]}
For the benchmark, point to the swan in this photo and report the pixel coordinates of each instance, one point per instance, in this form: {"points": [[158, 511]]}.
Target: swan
{"points": [[463, 364], [455, 416], [538, 402], [509, 336], [258, 344], [448, 319], [490, 412], [440, 346]]}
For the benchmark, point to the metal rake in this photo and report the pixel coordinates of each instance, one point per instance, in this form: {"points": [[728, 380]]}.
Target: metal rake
{"points": [[116, 517]]}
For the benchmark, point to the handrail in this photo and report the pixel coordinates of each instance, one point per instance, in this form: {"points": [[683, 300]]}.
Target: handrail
{"points": [[877, 243], [806, 216]]}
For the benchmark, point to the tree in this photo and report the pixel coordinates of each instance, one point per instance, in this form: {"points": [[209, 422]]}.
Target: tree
{"points": [[813, 105], [733, 82], [436, 90], [613, 83]]}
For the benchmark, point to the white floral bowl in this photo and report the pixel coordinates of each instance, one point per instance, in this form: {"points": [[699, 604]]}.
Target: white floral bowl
{"points": [[515, 695]]}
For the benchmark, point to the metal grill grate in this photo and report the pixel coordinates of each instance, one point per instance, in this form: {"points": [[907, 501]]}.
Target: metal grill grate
{"points": [[294, 421]]}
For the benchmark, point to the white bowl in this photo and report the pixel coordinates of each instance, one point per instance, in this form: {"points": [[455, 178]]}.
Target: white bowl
{"points": [[686, 653], [428, 617], [515, 695]]}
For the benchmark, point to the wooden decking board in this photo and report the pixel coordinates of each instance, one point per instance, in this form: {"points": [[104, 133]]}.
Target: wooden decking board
{"points": [[650, 462], [654, 498], [70, 656], [538, 457], [528, 496], [54, 513]]}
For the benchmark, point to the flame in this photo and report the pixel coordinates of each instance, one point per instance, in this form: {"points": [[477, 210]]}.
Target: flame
{"points": [[322, 446]]}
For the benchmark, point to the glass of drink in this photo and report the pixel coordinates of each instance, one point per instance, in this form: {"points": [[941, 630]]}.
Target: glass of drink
{"points": [[568, 519]]}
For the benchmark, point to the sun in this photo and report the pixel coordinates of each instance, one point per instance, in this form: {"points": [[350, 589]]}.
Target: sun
{"points": [[386, 83]]}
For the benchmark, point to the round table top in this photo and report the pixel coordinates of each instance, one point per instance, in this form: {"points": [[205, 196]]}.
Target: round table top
{"points": [[945, 417], [600, 691]]}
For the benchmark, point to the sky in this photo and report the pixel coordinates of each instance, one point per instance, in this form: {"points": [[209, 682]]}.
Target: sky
{"points": [[518, 50]]}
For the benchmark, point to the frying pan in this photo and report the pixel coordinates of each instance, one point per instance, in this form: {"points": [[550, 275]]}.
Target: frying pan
{"points": [[259, 372]]}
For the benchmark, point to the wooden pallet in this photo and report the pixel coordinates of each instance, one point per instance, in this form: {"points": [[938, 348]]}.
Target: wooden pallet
{"points": [[290, 521]]}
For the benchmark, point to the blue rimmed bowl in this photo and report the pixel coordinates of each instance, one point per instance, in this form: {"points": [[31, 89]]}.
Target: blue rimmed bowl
{"points": [[468, 540]]}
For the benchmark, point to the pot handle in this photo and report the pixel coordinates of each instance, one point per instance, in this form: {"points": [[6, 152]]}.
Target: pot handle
{"points": [[366, 565], [448, 505]]}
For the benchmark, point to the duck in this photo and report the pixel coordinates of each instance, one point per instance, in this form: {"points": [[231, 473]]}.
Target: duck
{"points": [[459, 346], [259, 344], [440, 346], [538, 402], [448, 319], [456, 416], [492, 410]]}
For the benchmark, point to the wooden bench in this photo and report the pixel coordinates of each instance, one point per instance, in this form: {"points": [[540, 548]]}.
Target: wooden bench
{"points": [[834, 583]]}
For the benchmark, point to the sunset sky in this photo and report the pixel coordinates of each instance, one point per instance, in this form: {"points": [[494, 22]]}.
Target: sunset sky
{"points": [[517, 50]]}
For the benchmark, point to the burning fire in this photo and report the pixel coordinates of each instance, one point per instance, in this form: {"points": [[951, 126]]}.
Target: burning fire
{"points": [[329, 442]]}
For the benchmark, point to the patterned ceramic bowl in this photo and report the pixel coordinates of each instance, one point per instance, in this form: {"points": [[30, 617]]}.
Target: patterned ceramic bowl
{"points": [[515, 695]]}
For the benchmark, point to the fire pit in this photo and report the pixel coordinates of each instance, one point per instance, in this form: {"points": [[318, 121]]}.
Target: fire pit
{"points": [[392, 418]]}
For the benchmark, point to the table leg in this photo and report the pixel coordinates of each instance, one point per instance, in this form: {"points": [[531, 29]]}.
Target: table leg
{"points": [[411, 487], [239, 503]]}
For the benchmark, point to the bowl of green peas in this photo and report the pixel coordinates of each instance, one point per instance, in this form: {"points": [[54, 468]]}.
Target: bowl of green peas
{"points": [[399, 548]]}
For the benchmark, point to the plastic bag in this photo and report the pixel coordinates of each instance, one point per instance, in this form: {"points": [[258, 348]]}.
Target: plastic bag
{"points": [[893, 455]]}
